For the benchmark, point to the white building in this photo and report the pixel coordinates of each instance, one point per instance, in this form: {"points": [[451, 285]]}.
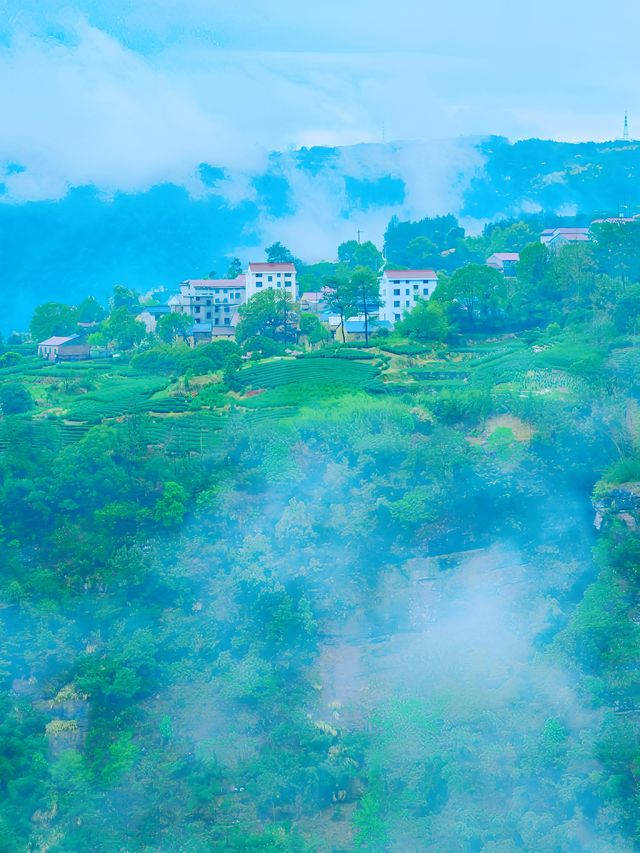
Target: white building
{"points": [[212, 301], [261, 277], [399, 290]]}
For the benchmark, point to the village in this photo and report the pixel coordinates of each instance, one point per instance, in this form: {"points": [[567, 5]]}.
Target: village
{"points": [[208, 309]]}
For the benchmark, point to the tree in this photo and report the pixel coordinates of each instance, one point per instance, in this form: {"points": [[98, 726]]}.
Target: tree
{"points": [[476, 292], [172, 506], [573, 268], [124, 329], [356, 254], [626, 314], [428, 321], [170, 326], [235, 268], [422, 253], [279, 254], [14, 399], [312, 328], [365, 294], [90, 311], [52, 318], [124, 297], [339, 297], [269, 313]]}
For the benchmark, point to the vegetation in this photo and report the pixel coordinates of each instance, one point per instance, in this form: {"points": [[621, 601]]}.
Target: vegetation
{"points": [[347, 597]]}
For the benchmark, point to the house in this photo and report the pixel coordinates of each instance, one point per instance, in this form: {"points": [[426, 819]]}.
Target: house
{"points": [[213, 301], [555, 238], [151, 315], [504, 262], [58, 348], [261, 277], [399, 290], [313, 301], [355, 327]]}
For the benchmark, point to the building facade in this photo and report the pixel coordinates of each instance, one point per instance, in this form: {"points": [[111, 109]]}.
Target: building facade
{"points": [[211, 302], [58, 348], [400, 289], [261, 277]]}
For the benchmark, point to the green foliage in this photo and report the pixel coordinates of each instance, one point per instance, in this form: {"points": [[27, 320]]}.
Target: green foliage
{"points": [[171, 326], [52, 318], [428, 321], [123, 329], [14, 399]]}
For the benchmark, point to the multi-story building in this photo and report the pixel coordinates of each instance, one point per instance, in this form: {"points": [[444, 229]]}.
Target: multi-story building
{"points": [[210, 301], [399, 290], [261, 277], [213, 303]]}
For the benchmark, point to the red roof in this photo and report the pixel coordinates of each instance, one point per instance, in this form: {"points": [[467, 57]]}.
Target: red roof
{"points": [[272, 268], [410, 274]]}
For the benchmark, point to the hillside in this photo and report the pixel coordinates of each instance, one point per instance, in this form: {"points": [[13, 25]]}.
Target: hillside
{"points": [[310, 199], [351, 604]]}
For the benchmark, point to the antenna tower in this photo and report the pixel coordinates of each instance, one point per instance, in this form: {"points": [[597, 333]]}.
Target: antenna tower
{"points": [[625, 135]]}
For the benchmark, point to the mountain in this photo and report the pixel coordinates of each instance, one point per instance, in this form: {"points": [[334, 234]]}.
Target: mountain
{"points": [[310, 199]]}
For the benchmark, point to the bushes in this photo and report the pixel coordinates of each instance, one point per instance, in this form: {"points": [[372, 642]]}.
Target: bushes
{"points": [[14, 399], [178, 358], [328, 371]]}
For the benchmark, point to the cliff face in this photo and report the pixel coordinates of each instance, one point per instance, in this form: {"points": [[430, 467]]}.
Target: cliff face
{"points": [[621, 501]]}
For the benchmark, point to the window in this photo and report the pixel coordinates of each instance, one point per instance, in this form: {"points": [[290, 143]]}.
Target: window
{"points": [[406, 293], [226, 309], [225, 290], [269, 278], [279, 284], [286, 284], [396, 304], [217, 321], [197, 309], [258, 284], [287, 275], [258, 275], [407, 304], [208, 315], [425, 291], [227, 321], [415, 286], [278, 275], [208, 302], [397, 316], [396, 292]]}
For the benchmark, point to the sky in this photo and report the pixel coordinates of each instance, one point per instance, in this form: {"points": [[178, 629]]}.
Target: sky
{"points": [[125, 94]]}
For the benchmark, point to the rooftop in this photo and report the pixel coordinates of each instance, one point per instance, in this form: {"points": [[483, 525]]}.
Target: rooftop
{"points": [[57, 341], [408, 275], [506, 256], [216, 282], [272, 268]]}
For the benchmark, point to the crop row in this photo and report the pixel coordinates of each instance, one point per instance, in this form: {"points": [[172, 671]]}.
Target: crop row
{"points": [[331, 371]]}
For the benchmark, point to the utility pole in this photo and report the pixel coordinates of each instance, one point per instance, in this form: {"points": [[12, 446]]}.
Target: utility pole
{"points": [[358, 236], [625, 135]]}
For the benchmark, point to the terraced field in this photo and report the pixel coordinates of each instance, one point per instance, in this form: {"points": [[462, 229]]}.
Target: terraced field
{"points": [[325, 371]]}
